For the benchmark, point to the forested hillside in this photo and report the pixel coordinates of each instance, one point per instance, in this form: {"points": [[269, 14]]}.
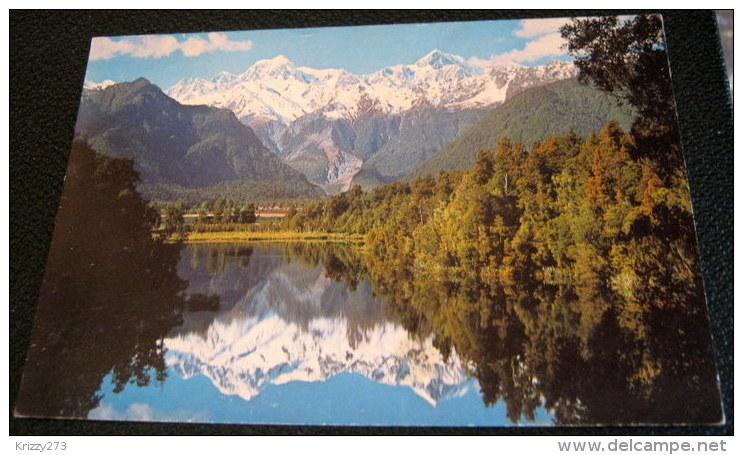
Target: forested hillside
{"points": [[422, 133], [532, 115]]}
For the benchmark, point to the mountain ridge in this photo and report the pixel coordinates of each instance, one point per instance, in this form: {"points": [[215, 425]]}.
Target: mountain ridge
{"points": [[440, 78], [176, 145]]}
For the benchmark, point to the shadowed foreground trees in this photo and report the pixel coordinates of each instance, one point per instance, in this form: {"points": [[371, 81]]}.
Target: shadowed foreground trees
{"points": [[110, 292]]}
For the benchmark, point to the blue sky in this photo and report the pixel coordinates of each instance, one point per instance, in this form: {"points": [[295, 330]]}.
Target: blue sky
{"points": [[166, 59]]}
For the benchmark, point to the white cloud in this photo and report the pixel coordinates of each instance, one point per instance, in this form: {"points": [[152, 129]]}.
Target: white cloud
{"points": [[153, 46], [193, 47], [220, 41], [106, 48], [544, 41], [532, 28], [545, 46], [156, 46]]}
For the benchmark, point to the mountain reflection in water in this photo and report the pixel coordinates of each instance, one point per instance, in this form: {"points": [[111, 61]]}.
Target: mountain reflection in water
{"points": [[293, 333], [130, 326], [284, 319]]}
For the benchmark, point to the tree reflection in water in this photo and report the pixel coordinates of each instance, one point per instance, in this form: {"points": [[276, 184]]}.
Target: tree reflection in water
{"points": [[569, 349], [298, 271], [542, 345]]}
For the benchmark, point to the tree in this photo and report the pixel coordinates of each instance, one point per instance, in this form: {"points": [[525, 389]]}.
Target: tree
{"points": [[628, 59], [203, 215], [110, 294], [334, 208], [484, 167], [172, 219], [247, 214]]}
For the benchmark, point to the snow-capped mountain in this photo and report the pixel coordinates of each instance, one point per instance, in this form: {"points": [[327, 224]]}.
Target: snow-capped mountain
{"points": [[269, 90], [276, 89], [273, 94]]}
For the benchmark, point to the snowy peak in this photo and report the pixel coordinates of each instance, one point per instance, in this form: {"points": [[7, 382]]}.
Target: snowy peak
{"points": [[558, 69], [276, 89], [90, 85], [437, 60], [279, 60], [448, 73], [271, 64], [289, 106], [223, 78], [278, 67], [191, 90]]}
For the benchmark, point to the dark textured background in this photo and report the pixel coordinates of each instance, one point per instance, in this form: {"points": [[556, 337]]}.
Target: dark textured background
{"points": [[48, 54]]}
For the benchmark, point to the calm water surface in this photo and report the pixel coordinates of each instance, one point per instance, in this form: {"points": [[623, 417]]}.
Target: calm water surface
{"points": [[295, 334]]}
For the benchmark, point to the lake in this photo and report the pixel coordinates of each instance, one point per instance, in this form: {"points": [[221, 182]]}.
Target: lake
{"points": [[295, 334], [327, 334]]}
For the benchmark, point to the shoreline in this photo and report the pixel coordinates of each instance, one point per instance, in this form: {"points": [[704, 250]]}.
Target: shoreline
{"points": [[283, 236]]}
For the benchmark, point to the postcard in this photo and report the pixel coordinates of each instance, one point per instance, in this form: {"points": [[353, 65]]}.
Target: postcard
{"points": [[438, 224]]}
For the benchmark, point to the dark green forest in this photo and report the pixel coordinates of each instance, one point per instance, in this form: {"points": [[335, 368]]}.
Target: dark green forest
{"points": [[191, 153]]}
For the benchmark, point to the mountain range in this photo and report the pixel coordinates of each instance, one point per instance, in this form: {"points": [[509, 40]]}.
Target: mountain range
{"points": [[330, 123], [280, 131], [276, 89]]}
